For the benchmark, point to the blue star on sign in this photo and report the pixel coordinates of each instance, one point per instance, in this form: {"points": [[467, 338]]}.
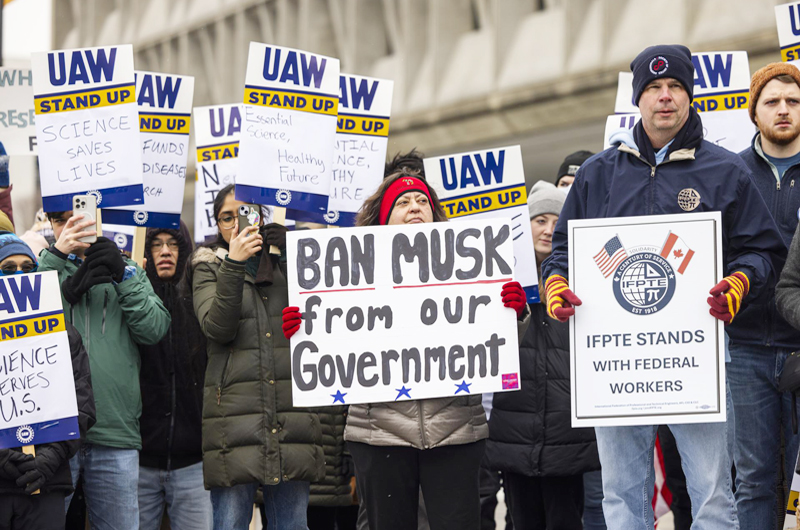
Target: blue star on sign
{"points": [[339, 396], [403, 392], [463, 386]]}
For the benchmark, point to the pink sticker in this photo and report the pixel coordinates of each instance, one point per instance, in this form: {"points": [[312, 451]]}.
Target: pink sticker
{"points": [[510, 381]]}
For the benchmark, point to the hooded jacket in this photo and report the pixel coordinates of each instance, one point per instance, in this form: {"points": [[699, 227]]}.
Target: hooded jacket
{"points": [[172, 372]]}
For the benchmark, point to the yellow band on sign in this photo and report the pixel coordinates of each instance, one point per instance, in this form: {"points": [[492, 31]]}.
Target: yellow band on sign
{"points": [[730, 101], [287, 100], [485, 202], [164, 123], [366, 125], [791, 506], [32, 327], [90, 99], [217, 152], [790, 53]]}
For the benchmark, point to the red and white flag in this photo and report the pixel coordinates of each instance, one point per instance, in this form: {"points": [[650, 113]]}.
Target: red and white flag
{"points": [[677, 253]]}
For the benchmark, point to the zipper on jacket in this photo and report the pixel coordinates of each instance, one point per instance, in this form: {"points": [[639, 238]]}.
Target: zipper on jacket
{"points": [[421, 425], [222, 378], [105, 305], [652, 189]]}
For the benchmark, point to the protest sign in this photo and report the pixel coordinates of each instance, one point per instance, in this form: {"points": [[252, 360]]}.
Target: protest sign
{"points": [[37, 388], [165, 106], [121, 235], [362, 135], [787, 17], [645, 350], [216, 131], [289, 128], [17, 116], [87, 126], [395, 313], [489, 185]]}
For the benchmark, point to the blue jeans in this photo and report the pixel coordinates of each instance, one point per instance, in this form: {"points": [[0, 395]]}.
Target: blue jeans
{"points": [[181, 490], [761, 413], [593, 501], [626, 454], [285, 504], [110, 484]]}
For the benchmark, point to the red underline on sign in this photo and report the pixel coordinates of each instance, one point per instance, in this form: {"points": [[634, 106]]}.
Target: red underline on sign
{"points": [[338, 290], [452, 283]]}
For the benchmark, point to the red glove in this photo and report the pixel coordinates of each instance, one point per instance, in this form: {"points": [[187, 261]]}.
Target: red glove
{"points": [[514, 297], [726, 297], [291, 321], [560, 300]]}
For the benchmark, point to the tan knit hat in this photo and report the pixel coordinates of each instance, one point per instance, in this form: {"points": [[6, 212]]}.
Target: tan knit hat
{"points": [[764, 76]]}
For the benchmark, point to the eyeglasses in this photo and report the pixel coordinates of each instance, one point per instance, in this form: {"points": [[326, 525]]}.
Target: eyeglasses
{"points": [[226, 222], [12, 268], [157, 245]]}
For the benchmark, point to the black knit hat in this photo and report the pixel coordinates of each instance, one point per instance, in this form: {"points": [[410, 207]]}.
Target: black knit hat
{"points": [[664, 60], [571, 164]]}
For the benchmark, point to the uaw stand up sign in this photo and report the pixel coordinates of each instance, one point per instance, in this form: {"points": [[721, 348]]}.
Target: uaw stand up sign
{"points": [[644, 348]]}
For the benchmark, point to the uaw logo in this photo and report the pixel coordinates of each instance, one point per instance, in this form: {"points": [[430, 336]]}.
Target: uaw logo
{"points": [[25, 434], [331, 217], [658, 65], [140, 217], [121, 240], [97, 194], [644, 280], [283, 197]]}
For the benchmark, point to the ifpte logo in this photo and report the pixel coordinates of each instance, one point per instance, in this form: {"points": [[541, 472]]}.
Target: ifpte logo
{"points": [[658, 65], [644, 283]]}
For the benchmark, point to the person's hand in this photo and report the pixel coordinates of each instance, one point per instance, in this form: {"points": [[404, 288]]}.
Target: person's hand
{"points": [[245, 245], [561, 301], [275, 234], [9, 464], [74, 287], [514, 297], [726, 297], [105, 253], [74, 229], [40, 469], [291, 321]]}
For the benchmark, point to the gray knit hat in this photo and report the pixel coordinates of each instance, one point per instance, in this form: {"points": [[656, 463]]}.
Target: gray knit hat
{"points": [[545, 198]]}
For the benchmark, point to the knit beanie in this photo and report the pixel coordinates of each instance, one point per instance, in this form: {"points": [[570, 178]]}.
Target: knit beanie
{"points": [[12, 245], [545, 198], [764, 76], [664, 60], [571, 164]]}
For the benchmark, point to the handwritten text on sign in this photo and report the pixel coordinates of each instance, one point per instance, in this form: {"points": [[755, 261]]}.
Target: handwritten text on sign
{"points": [[402, 312], [37, 388]]}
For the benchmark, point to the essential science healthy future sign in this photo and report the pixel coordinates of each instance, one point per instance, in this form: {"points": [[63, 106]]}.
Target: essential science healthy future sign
{"points": [[394, 313]]}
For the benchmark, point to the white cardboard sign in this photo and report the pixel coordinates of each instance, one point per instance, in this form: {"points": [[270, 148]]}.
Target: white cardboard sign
{"points": [[87, 126], [787, 17], [37, 386], [17, 116], [288, 128], [394, 313], [645, 350]]}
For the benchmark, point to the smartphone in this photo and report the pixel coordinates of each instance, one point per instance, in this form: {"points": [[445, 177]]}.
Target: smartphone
{"points": [[249, 215], [86, 205]]}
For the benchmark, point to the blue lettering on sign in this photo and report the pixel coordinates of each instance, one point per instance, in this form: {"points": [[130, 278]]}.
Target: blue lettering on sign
{"points": [[92, 69], [22, 292], [714, 74], [793, 16], [234, 122], [310, 71], [164, 91], [468, 175], [357, 94]]}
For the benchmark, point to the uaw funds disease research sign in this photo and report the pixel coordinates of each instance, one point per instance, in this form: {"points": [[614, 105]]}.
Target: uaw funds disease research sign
{"points": [[396, 313], [645, 350]]}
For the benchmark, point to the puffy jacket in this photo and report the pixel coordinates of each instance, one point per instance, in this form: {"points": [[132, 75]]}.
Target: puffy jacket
{"points": [[529, 431], [334, 489], [61, 452], [762, 322], [172, 372], [251, 431], [622, 182], [113, 319], [424, 423]]}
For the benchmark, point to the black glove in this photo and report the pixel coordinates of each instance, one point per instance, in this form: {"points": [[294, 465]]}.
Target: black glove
{"points": [[9, 463], [75, 286], [39, 470], [105, 253], [274, 234]]}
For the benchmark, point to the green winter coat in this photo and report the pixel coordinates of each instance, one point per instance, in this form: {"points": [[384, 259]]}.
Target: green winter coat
{"points": [[251, 431], [112, 319]]}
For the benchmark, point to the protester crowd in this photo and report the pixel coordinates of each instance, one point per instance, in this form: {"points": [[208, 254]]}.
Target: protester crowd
{"points": [[183, 376]]}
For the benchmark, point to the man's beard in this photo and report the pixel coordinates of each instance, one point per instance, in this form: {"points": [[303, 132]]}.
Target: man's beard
{"points": [[783, 137]]}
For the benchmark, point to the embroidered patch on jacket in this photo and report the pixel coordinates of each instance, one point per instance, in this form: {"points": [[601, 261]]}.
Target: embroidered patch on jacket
{"points": [[688, 199]]}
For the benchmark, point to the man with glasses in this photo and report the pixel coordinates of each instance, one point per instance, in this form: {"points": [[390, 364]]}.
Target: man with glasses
{"points": [[173, 371], [115, 309]]}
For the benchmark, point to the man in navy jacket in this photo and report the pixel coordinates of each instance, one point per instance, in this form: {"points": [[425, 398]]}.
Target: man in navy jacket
{"points": [[665, 167]]}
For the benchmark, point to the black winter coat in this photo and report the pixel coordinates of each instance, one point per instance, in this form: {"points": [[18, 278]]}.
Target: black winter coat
{"points": [[529, 430], [334, 489], [173, 370]]}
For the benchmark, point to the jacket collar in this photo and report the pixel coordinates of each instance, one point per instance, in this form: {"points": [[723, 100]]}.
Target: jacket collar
{"points": [[674, 156], [760, 151]]}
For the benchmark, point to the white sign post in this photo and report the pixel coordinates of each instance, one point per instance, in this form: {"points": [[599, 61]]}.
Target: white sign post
{"points": [[397, 313], [165, 107], [288, 128], [37, 387], [489, 185], [645, 350], [17, 116], [216, 130], [87, 126]]}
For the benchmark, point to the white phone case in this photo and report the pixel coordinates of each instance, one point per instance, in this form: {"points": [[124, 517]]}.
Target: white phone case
{"points": [[86, 205]]}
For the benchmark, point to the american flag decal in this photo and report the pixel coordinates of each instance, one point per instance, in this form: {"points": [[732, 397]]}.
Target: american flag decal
{"points": [[610, 256]]}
